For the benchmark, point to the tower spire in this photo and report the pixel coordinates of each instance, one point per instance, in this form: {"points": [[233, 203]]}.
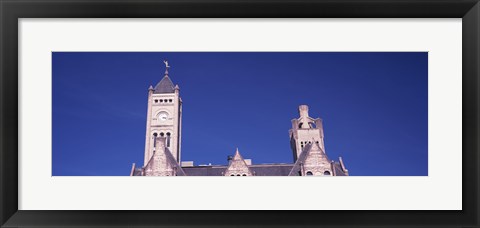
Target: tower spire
{"points": [[166, 67]]}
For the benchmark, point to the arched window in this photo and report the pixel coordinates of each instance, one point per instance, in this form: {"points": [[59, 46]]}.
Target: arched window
{"points": [[309, 173], [168, 139], [300, 125], [161, 134], [154, 139], [161, 100], [232, 175], [244, 175], [156, 101], [170, 100], [326, 173]]}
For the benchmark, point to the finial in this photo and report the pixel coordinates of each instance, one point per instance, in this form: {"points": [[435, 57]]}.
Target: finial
{"points": [[166, 66]]}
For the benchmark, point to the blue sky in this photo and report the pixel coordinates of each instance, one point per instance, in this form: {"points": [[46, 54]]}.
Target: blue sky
{"points": [[374, 108]]}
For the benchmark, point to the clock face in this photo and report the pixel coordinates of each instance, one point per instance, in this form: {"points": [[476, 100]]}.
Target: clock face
{"points": [[163, 116]]}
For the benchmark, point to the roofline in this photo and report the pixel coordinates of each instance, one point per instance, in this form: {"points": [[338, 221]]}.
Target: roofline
{"points": [[225, 166]]}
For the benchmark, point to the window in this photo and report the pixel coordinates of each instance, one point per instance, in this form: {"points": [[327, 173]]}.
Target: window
{"points": [[238, 175], [161, 134], [309, 173], [244, 175], [232, 175], [154, 139], [156, 101], [326, 173], [170, 100], [168, 139]]}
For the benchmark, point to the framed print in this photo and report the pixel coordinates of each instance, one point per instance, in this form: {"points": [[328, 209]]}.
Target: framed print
{"points": [[275, 113]]}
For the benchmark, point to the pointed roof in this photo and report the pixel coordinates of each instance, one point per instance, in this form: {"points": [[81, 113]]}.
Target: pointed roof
{"points": [[238, 166], [161, 155], [165, 85], [304, 155], [237, 155]]}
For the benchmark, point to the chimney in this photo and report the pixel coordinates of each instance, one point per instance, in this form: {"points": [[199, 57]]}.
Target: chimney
{"points": [[229, 159]]}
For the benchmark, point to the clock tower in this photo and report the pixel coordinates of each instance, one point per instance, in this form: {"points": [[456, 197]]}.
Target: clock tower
{"points": [[164, 118]]}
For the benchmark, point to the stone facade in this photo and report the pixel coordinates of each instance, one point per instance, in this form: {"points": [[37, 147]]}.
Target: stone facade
{"points": [[164, 115], [162, 162], [238, 166], [162, 156], [305, 130]]}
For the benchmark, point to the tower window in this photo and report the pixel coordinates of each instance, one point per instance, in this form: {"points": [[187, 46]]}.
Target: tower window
{"points": [[326, 173], [170, 100], [232, 175], [168, 139], [156, 101], [161, 100], [309, 173], [161, 134], [244, 175], [154, 139]]}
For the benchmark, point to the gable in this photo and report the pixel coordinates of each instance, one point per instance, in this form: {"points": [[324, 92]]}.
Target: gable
{"points": [[238, 166]]}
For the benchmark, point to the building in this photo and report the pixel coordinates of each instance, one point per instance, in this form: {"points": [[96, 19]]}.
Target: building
{"points": [[162, 156]]}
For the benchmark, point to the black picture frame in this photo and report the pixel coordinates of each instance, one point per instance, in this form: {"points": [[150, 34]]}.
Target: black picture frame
{"points": [[11, 11]]}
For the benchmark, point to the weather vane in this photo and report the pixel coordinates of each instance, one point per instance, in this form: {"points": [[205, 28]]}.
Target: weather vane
{"points": [[166, 66]]}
